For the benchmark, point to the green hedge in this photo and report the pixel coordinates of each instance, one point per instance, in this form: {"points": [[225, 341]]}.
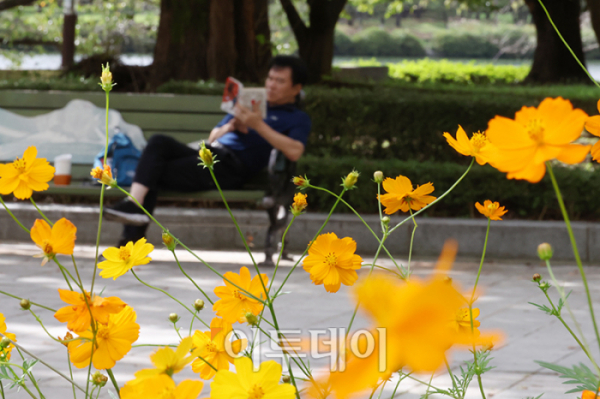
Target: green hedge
{"points": [[580, 187], [377, 42]]}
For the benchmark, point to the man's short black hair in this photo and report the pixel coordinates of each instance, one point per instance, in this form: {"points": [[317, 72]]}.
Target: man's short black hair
{"points": [[298, 67]]}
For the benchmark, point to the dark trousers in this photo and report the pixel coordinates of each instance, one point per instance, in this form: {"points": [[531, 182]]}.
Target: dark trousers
{"points": [[167, 164]]}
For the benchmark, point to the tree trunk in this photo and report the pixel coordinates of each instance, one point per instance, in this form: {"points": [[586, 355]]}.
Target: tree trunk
{"points": [[594, 7], [222, 54], [181, 41], [252, 39], [315, 41], [552, 61]]}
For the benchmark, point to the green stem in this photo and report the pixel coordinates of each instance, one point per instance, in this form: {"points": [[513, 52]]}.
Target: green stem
{"points": [[13, 216], [480, 386], [2, 390], [396, 388], [114, 381], [575, 250], [281, 252], [191, 279], [64, 270], [71, 374], [33, 303], [40, 212], [43, 327], [192, 325], [412, 239], [98, 236], [437, 200], [567, 45], [170, 296], [31, 377], [487, 233]]}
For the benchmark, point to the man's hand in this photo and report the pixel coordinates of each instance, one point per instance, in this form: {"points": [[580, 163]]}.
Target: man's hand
{"points": [[235, 125], [250, 118]]}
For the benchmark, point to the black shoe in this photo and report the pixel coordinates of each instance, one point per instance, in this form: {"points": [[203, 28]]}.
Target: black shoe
{"points": [[126, 212], [132, 233]]}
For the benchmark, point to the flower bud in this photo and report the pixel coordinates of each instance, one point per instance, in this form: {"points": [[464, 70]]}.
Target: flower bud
{"points": [[168, 240], [301, 182], [5, 342], [385, 220], [104, 174], [206, 156], [350, 180], [198, 304], [545, 251], [174, 317], [99, 379], [537, 277], [299, 204], [251, 319], [286, 379], [106, 79], [25, 304], [378, 176], [67, 337]]}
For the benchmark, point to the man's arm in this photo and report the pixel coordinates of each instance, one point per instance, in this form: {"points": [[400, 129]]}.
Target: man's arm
{"points": [[231, 126], [292, 149]]}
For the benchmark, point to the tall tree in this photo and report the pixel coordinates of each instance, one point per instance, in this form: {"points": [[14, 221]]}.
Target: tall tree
{"points": [[7, 4], [315, 40], [211, 39], [594, 8], [552, 61]]}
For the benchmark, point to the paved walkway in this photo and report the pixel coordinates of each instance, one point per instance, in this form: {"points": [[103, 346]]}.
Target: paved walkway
{"points": [[530, 334]]}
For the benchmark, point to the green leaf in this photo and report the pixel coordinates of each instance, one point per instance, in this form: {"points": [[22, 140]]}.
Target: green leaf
{"points": [[112, 395], [578, 374], [543, 308]]}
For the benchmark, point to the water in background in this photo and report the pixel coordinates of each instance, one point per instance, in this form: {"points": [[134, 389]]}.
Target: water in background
{"points": [[52, 61]]}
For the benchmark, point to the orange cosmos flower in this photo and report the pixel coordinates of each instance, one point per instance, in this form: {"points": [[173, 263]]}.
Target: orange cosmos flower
{"points": [[592, 125], [588, 395], [418, 334], [77, 315], [331, 261], [161, 387], [167, 361], [462, 323], [401, 196], [60, 239], [25, 175], [113, 341], [210, 348], [299, 204], [120, 260], [478, 146], [233, 303], [104, 175], [491, 210], [535, 136], [5, 352], [246, 383]]}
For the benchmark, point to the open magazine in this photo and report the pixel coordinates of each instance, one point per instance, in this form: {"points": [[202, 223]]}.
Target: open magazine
{"points": [[235, 93]]}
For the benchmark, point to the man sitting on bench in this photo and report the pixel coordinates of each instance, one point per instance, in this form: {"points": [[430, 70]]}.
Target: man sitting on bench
{"points": [[242, 145]]}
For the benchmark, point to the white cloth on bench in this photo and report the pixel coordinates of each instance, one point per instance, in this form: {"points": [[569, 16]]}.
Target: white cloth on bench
{"points": [[78, 129]]}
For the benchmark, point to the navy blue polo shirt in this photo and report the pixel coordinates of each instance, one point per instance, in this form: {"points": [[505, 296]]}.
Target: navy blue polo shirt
{"points": [[253, 150]]}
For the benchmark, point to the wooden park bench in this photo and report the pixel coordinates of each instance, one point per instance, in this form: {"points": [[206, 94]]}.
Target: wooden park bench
{"points": [[186, 118]]}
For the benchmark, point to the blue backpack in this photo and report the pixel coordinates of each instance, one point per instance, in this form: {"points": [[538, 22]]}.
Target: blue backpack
{"points": [[122, 157]]}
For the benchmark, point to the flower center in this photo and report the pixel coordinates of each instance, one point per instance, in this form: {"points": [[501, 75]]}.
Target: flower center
{"points": [[20, 165], [256, 392], [47, 247], [331, 260], [211, 347], [535, 129], [237, 295], [492, 207], [478, 141], [103, 333], [124, 253]]}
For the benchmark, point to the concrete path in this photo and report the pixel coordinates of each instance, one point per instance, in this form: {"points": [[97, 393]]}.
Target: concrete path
{"points": [[530, 334]]}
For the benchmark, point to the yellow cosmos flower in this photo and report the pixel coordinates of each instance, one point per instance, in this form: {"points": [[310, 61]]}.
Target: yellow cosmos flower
{"points": [[535, 136], [113, 341], [478, 146], [104, 175], [592, 125], [60, 239], [162, 387], [77, 315], [120, 260], [248, 384], [210, 348], [401, 196], [5, 352], [169, 362], [462, 323], [331, 261], [491, 210], [417, 336], [299, 204], [233, 303], [25, 175]]}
